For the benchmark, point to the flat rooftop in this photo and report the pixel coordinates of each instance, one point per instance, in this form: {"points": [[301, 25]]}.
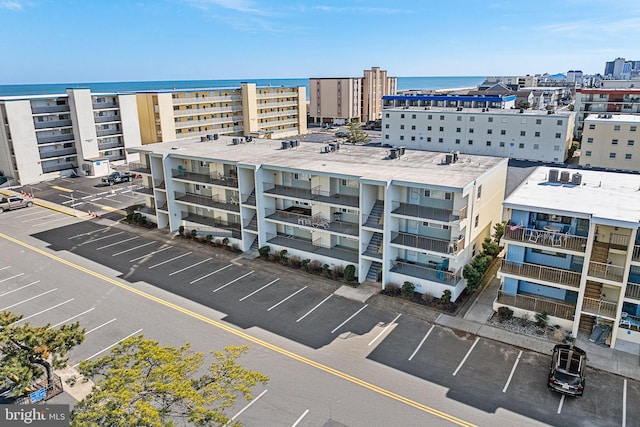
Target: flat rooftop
{"points": [[604, 195], [466, 110], [372, 163], [607, 117]]}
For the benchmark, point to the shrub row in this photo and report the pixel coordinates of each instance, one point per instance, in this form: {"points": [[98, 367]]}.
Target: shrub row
{"points": [[347, 273]]}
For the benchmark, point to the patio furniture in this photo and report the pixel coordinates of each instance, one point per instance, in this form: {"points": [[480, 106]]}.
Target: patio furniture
{"points": [[534, 235]]}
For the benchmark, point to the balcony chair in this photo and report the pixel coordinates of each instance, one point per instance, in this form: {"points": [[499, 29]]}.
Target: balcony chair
{"points": [[534, 235]]}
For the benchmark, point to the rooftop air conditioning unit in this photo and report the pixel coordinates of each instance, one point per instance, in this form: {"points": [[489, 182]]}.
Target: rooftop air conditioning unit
{"points": [[553, 175]]}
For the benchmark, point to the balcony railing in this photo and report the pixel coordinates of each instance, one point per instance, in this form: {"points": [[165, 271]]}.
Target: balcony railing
{"points": [[143, 189], [320, 195], [538, 305], [108, 132], [539, 272], [207, 178], [110, 144], [427, 243], [202, 99], [315, 221], [104, 105], [53, 124], [632, 291], [600, 307], [539, 237], [206, 110], [619, 241], [50, 109], [314, 247], [57, 153], [233, 227], [139, 168], [284, 94], [630, 322], [105, 119], [57, 167], [425, 272], [286, 190], [55, 138], [428, 212], [212, 202], [611, 272]]}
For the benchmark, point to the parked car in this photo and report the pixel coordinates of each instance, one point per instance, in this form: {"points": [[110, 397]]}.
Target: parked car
{"points": [[14, 202], [342, 134], [566, 374], [117, 177]]}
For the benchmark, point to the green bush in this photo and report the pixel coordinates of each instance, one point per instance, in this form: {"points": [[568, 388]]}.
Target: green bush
{"points": [[481, 262], [446, 297], [489, 247], [284, 256], [504, 314], [498, 231], [225, 242], [194, 233], [350, 273], [542, 319], [208, 238], [392, 289], [305, 263], [325, 270], [264, 251], [181, 230], [473, 276], [408, 289]]}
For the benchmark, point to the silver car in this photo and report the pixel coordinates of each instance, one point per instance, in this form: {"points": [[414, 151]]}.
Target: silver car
{"points": [[14, 202]]}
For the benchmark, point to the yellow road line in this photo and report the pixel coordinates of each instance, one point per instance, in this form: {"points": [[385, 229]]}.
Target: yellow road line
{"points": [[66, 190], [248, 337]]}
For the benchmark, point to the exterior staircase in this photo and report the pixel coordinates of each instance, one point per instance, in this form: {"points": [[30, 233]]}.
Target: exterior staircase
{"points": [[374, 246], [374, 220], [253, 224], [599, 253], [254, 245], [251, 199], [374, 270]]}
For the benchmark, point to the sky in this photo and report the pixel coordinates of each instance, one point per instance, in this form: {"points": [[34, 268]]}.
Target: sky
{"points": [[60, 41]]}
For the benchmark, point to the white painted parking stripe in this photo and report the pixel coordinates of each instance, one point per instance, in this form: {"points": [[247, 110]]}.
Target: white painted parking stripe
{"points": [[258, 290], [35, 212], [12, 277], [210, 274], [88, 233], [169, 260], [560, 405], [304, 414], [133, 249], [17, 289], [117, 243], [103, 193], [4, 268], [249, 404], [100, 326], [313, 309], [61, 218], [100, 238], [385, 329], [86, 197], [151, 253], [40, 217], [290, 296], [107, 348], [421, 342], [191, 266], [350, 317], [29, 299], [233, 281], [96, 199], [466, 356], [624, 404], [44, 311], [515, 365], [73, 317]]}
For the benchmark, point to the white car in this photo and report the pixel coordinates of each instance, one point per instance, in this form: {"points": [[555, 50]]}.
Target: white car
{"points": [[14, 202]]}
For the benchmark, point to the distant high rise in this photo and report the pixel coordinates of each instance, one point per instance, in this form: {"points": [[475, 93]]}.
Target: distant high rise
{"points": [[621, 69]]}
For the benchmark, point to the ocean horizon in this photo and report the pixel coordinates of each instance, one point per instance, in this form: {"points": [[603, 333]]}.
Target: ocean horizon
{"points": [[404, 83]]}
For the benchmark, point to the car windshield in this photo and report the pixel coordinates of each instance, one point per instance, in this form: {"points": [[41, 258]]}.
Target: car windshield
{"points": [[566, 378]]}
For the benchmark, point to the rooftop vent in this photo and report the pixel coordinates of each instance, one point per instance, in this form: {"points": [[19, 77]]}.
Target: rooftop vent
{"points": [[553, 175], [285, 144], [576, 178], [564, 176], [215, 136], [203, 139], [401, 150], [448, 158], [550, 111], [459, 109], [393, 153], [521, 110]]}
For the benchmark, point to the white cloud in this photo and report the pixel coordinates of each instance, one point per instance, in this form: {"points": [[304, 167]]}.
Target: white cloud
{"points": [[242, 6], [12, 4]]}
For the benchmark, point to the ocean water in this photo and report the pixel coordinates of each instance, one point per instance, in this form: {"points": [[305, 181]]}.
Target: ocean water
{"points": [[404, 83]]}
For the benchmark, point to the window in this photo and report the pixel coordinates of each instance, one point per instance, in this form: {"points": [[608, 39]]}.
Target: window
{"points": [[476, 221], [503, 132], [386, 137], [471, 142], [538, 121], [429, 128], [479, 191], [588, 153], [472, 119], [402, 116], [630, 142], [537, 134], [447, 196], [471, 130], [413, 116], [296, 176], [413, 127], [401, 137], [458, 130], [427, 193], [490, 119], [457, 141], [401, 126], [488, 143], [616, 127], [589, 140], [632, 129], [558, 135], [612, 155], [501, 143], [627, 156], [523, 120], [459, 118], [592, 126], [429, 117], [536, 146], [503, 120], [428, 139], [386, 126], [521, 145], [440, 140], [441, 129], [413, 138], [523, 133], [489, 131], [386, 116], [559, 122], [556, 148], [614, 142], [441, 117]]}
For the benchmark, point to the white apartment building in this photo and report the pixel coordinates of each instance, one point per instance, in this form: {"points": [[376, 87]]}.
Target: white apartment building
{"points": [[479, 125], [47, 136], [519, 81], [395, 215], [616, 100], [573, 251], [611, 141]]}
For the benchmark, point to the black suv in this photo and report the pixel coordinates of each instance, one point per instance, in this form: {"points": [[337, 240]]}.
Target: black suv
{"points": [[566, 374]]}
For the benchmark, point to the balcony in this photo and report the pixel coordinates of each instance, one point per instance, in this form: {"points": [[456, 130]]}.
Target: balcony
{"points": [[57, 167], [315, 221], [619, 241], [427, 243], [283, 94], [108, 145], [232, 227], [632, 291], [599, 307], [206, 178], [139, 168], [55, 138], [630, 322], [543, 238], [427, 212], [143, 189], [612, 272], [270, 123], [50, 109], [106, 119], [553, 308], [205, 122], [206, 110], [52, 124], [286, 190], [104, 105], [57, 153], [426, 272], [314, 247], [541, 273], [108, 132], [636, 253], [334, 198], [212, 202], [208, 99]]}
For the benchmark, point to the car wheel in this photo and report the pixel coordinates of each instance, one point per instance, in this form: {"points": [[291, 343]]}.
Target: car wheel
{"points": [[1, 210], [29, 204]]}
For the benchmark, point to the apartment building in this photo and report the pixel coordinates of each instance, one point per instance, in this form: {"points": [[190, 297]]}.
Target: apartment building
{"points": [[341, 99], [480, 125], [397, 215], [515, 81], [621, 69], [611, 141], [79, 132], [573, 251], [624, 100], [250, 110]]}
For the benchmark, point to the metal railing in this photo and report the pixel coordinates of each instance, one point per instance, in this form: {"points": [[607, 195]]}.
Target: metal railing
{"points": [[50, 109], [336, 198], [108, 132], [538, 305], [539, 272], [210, 178], [57, 153], [373, 221], [57, 167], [600, 307], [636, 253], [631, 322], [202, 99], [286, 190], [544, 238], [103, 105], [425, 272], [143, 189], [606, 271], [277, 94], [110, 145], [428, 212], [212, 201], [427, 243], [109, 118], [211, 221], [619, 241], [632, 291], [53, 124], [56, 138], [139, 167]]}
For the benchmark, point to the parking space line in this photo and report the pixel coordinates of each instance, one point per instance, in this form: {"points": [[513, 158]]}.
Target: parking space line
{"points": [[233, 281], [210, 274], [133, 249], [151, 253], [107, 348], [561, 402], [100, 326], [290, 296], [12, 277], [61, 218], [117, 243], [350, 317], [421, 342], [44, 311], [73, 317], [103, 193], [4, 268], [515, 365], [35, 212], [96, 199], [29, 299], [169, 260], [249, 404], [21, 287], [191, 266], [258, 290], [624, 404], [87, 233], [313, 309], [385, 329], [40, 217], [100, 238], [304, 414], [466, 356]]}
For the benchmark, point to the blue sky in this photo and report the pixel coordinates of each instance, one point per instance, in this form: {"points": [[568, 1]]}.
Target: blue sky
{"points": [[59, 41]]}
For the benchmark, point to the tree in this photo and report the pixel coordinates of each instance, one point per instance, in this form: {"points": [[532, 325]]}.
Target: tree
{"points": [[356, 133], [490, 247], [142, 383], [498, 231], [523, 104], [29, 352]]}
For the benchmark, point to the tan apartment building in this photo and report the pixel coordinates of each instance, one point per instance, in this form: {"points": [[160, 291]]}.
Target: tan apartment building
{"points": [[610, 141], [268, 112], [342, 99]]}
